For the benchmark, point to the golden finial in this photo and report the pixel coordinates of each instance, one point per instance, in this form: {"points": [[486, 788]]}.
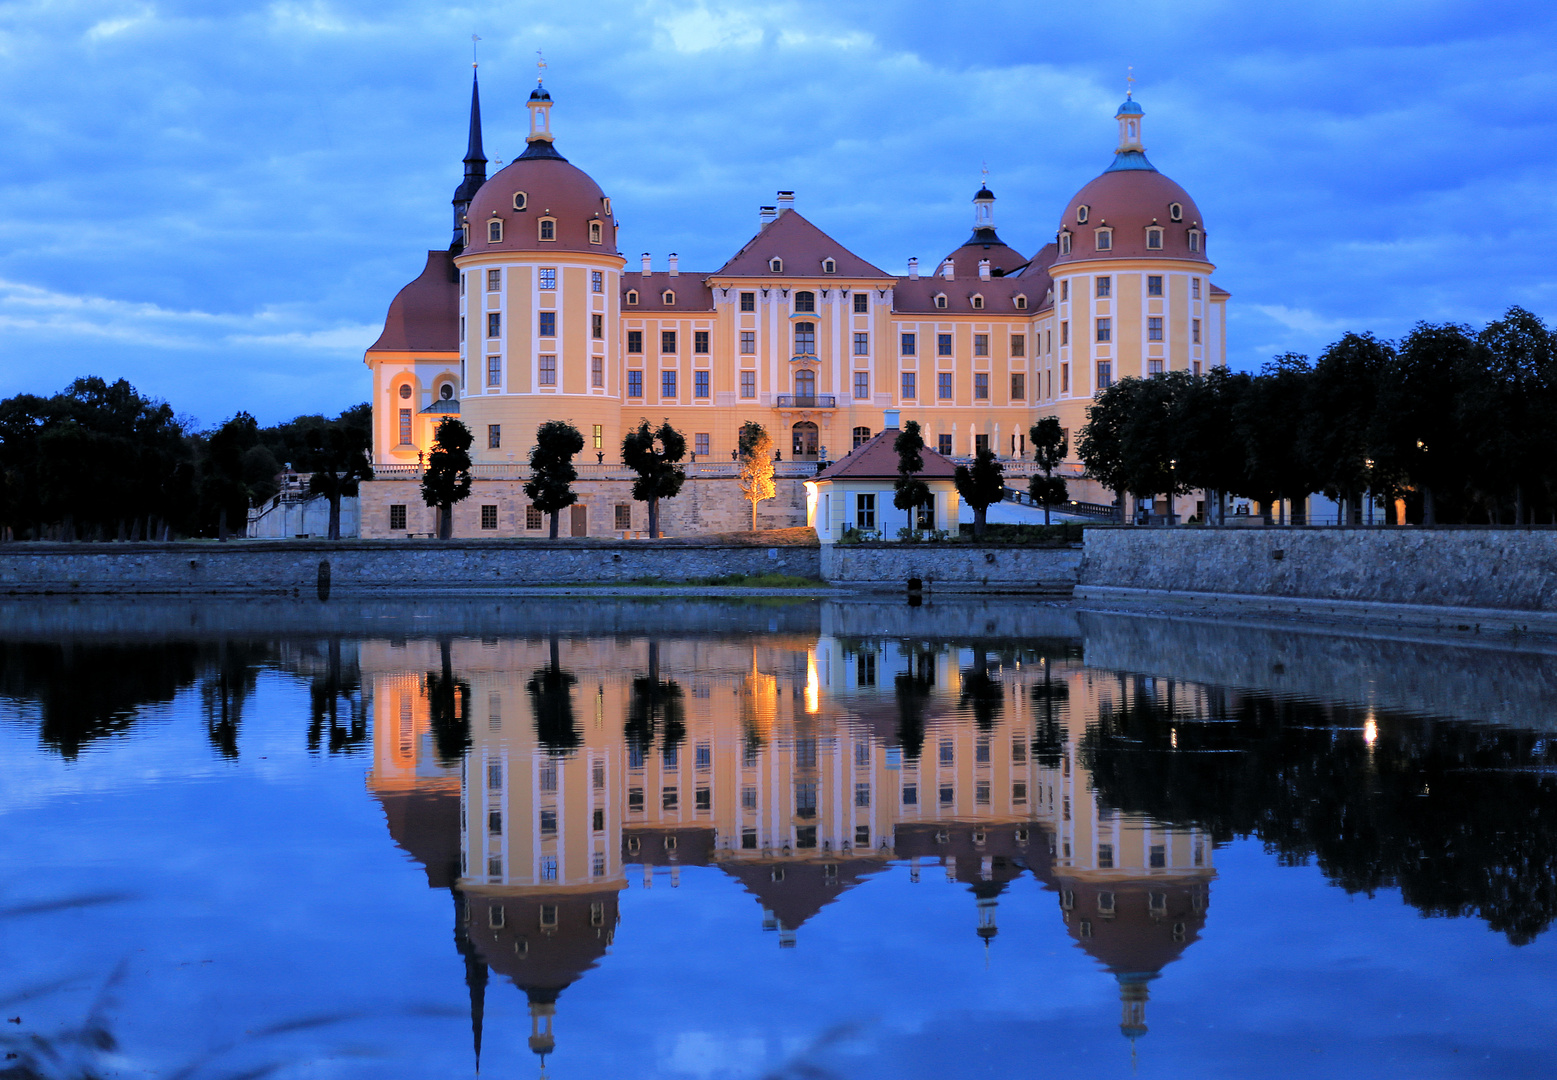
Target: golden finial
{"points": [[540, 66], [1129, 81], [473, 39], [984, 171]]}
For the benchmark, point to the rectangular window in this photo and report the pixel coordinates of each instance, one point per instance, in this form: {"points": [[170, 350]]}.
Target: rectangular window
{"points": [[548, 324], [1154, 367], [548, 371], [488, 516], [748, 384], [1064, 333], [943, 344], [907, 344], [943, 444], [704, 799], [1105, 329], [861, 303], [597, 327], [462, 329], [980, 344], [861, 385], [805, 798], [864, 675], [1154, 285], [1154, 328], [865, 511], [748, 343], [1194, 331], [494, 436], [948, 794], [910, 794], [700, 389], [494, 324], [1105, 375], [980, 443], [1019, 793], [1104, 286], [635, 384], [599, 437], [548, 277], [533, 518], [635, 341], [405, 427], [943, 385], [1105, 856], [1194, 288], [748, 301], [670, 799], [700, 341], [1018, 344], [635, 800], [910, 390], [624, 516], [1018, 387], [397, 516], [861, 344], [861, 794], [667, 384], [494, 370], [981, 792], [700, 439], [1197, 369], [981, 386], [1159, 856], [597, 374], [494, 280], [596, 281], [1064, 378], [667, 341]]}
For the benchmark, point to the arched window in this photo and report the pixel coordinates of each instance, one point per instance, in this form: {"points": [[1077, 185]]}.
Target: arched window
{"points": [[861, 436], [465, 234], [804, 441], [805, 301], [1194, 240], [494, 231], [521, 200], [1064, 243], [1176, 211], [1154, 239], [1081, 214], [632, 296], [805, 339], [940, 300], [594, 232], [829, 266], [669, 297], [548, 228], [776, 265], [1131, 126]]}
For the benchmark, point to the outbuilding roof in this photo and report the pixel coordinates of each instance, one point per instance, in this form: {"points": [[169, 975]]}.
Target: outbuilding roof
{"points": [[876, 460]]}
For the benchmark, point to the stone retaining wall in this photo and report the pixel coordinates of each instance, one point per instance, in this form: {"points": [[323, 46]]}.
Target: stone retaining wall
{"points": [[952, 567]]}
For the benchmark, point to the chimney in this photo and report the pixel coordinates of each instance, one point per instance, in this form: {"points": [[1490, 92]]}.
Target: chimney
{"points": [[891, 419], [646, 269], [983, 269], [948, 270], [786, 201], [673, 260], [768, 214], [913, 269]]}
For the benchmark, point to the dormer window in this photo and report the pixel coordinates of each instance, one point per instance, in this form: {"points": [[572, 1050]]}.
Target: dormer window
{"points": [[776, 265], [829, 266], [1194, 239], [668, 297], [465, 234], [594, 232], [1105, 239], [1020, 301], [521, 200], [940, 300], [805, 301], [495, 231], [1175, 211], [1064, 243], [548, 228], [632, 296], [978, 302], [1154, 238], [606, 205], [1081, 214]]}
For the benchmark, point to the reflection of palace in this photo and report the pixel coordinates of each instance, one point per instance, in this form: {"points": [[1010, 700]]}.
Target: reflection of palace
{"points": [[798, 766]]}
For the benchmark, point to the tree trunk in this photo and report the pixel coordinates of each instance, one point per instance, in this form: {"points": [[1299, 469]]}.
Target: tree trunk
{"points": [[1048, 479], [445, 521], [1119, 499], [979, 513], [1429, 510], [554, 524], [221, 524], [335, 516], [754, 515], [654, 518], [1519, 503]]}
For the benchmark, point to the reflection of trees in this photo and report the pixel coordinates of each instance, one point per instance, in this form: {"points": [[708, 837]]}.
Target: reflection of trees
{"points": [[327, 690], [87, 692], [226, 690], [551, 699], [913, 689], [655, 707], [982, 694], [1051, 699], [1461, 818], [448, 709]]}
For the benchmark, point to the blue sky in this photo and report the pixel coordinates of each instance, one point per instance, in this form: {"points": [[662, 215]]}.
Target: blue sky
{"points": [[218, 201]]}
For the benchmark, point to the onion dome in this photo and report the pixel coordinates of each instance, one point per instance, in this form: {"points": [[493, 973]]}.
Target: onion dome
{"points": [[540, 202], [1131, 211]]}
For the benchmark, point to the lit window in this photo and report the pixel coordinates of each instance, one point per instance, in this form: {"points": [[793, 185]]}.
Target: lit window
{"points": [[635, 341], [599, 437], [548, 371], [548, 229], [1105, 375], [597, 327], [632, 296], [748, 301], [943, 385], [907, 344], [1154, 239], [1105, 286], [494, 280], [909, 388], [981, 386], [861, 303], [1105, 329], [397, 516], [1018, 345], [940, 300], [861, 385], [596, 281], [1154, 328], [700, 341], [700, 446], [520, 200], [861, 344], [748, 343], [667, 384], [776, 265], [547, 323], [700, 389], [748, 384], [1018, 386], [943, 344], [548, 277], [494, 436], [805, 301], [1154, 285], [635, 384], [1105, 239], [494, 370], [980, 344], [667, 341], [405, 427], [1081, 214], [829, 266], [594, 232], [494, 230], [489, 521], [669, 298]]}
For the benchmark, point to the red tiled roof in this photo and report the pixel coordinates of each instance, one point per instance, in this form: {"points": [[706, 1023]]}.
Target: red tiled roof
{"points": [[425, 315], [875, 460], [1217, 290], [691, 288], [918, 294], [802, 246]]}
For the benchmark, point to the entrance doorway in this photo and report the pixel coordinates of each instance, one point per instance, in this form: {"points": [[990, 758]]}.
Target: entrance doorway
{"points": [[580, 519], [805, 442]]}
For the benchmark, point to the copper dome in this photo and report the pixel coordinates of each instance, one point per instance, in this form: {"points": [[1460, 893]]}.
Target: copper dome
{"points": [[1129, 199], [552, 188]]}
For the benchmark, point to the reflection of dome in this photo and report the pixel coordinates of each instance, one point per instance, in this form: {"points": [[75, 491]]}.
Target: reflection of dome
{"points": [[425, 822], [792, 891]]}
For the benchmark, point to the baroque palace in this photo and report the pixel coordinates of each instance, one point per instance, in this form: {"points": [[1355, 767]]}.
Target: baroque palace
{"points": [[532, 315]]}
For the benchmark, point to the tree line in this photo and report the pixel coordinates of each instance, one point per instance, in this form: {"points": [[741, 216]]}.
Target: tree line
{"points": [[101, 461], [1456, 425]]}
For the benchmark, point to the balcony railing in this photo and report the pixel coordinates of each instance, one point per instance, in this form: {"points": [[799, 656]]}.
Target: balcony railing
{"points": [[805, 401]]}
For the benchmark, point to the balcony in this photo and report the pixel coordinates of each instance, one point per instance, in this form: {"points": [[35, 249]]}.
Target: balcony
{"points": [[803, 401]]}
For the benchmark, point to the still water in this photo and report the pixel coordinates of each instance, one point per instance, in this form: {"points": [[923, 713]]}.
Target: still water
{"points": [[800, 839]]}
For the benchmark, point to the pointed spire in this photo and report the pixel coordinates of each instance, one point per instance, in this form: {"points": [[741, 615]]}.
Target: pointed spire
{"points": [[475, 167], [475, 971], [473, 150]]}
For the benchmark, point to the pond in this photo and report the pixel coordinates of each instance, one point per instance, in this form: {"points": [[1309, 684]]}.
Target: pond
{"points": [[797, 838]]}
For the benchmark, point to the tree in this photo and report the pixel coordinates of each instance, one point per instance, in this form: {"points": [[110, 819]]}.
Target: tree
{"points": [[909, 491], [551, 700], [338, 461], [1338, 411], [550, 486], [1511, 412], [981, 486], [1049, 449], [653, 454], [1210, 456], [447, 479], [1418, 433], [1101, 446], [224, 488], [1269, 420], [756, 475]]}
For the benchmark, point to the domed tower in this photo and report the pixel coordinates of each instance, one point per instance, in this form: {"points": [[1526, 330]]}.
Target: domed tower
{"points": [[984, 254], [538, 279], [1132, 280]]}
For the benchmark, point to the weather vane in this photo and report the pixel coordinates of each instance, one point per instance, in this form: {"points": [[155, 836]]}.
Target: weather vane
{"points": [[540, 66], [984, 170], [473, 39], [1129, 80]]}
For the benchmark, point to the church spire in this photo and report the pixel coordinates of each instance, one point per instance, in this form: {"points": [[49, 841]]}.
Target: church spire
{"points": [[475, 166]]}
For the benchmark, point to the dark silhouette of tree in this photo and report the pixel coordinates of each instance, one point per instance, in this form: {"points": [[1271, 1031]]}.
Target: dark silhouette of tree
{"points": [[1210, 456], [909, 490], [981, 486], [330, 690], [1339, 406], [1509, 413], [653, 454], [226, 488], [913, 689], [448, 708], [1269, 420], [983, 695], [1101, 442], [447, 478], [226, 690], [337, 461], [551, 700], [655, 708], [1049, 449], [550, 486], [1419, 438]]}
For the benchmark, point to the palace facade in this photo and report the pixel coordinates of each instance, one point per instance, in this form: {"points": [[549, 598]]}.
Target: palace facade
{"points": [[531, 315]]}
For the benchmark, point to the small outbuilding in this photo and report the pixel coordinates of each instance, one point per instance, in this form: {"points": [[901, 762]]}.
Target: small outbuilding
{"points": [[856, 492]]}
